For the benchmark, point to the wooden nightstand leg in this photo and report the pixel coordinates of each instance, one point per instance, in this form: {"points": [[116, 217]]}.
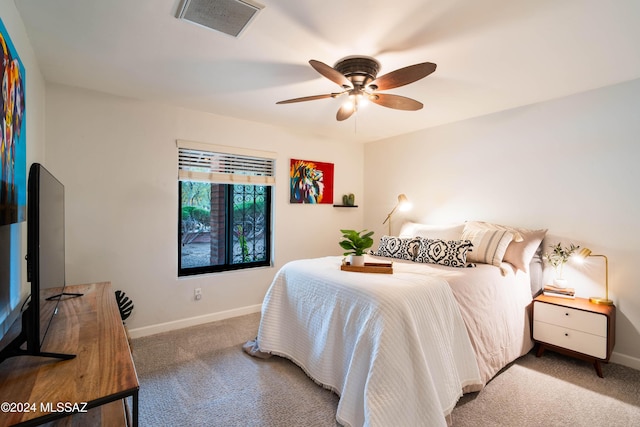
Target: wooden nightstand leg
{"points": [[540, 350], [596, 364]]}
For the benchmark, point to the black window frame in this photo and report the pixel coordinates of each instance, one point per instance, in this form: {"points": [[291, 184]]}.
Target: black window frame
{"points": [[228, 265]]}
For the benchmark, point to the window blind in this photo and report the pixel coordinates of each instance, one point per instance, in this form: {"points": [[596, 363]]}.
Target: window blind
{"points": [[222, 164]]}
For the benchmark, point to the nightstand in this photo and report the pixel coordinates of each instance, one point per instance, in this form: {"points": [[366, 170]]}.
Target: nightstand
{"points": [[574, 327]]}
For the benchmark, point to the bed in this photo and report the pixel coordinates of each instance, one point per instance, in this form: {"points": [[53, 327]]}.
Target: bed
{"points": [[401, 348]]}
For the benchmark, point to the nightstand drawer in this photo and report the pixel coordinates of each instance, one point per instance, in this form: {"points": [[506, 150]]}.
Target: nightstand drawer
{"points": [[579, 320], [571, 339]]}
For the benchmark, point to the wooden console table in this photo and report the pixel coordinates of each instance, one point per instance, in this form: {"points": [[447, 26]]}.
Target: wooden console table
{"points": [[95, 383]]}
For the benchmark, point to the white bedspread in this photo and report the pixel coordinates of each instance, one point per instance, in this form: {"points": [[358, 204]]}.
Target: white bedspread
{"points": [[394, 347]]}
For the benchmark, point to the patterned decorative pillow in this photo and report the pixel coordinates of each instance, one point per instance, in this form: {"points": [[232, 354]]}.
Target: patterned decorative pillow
{"points": [[452, 253], [397, 247]]}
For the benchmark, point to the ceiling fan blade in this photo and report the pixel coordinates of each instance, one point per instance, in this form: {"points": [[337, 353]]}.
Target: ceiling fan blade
{"points": [[332, 74], [403, 76], [307, 98], [345, 112], [395, 101]]}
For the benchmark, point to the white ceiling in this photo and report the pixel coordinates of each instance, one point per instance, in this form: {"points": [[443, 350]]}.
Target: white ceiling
{"points": [[492, 55]]}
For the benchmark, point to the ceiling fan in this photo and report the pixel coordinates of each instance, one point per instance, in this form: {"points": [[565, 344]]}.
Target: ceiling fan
{"points": [[357, 76]]}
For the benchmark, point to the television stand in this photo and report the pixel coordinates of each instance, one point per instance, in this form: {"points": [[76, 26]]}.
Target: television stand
{"points": [[99, 379]]}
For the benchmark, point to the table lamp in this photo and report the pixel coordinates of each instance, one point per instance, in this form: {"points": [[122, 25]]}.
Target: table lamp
{"points": [[584, 253], [403, 205]]}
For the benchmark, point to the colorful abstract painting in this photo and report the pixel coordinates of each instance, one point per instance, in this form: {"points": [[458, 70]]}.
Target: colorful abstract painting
{"points": [[311, 182], [13, 161]]}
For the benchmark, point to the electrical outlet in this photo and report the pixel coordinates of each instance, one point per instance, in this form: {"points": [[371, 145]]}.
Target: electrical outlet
{"points": [[197, 293]]}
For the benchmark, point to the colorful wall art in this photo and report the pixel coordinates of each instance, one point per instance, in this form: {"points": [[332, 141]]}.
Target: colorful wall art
{"points": [[311, 182], [13, 160]]}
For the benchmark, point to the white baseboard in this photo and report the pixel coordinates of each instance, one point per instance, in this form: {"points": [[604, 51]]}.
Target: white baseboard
{"points": [[623, 359], [193, 321]]}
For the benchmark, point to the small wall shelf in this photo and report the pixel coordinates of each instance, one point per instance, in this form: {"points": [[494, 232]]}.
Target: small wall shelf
{"points": [[345, 206]]}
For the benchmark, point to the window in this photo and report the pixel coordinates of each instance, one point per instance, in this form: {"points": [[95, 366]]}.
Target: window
{"points": [[224, 208]]}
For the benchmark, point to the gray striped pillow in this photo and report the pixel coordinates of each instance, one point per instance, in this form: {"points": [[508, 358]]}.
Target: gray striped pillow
{"points": [[489, 244]]}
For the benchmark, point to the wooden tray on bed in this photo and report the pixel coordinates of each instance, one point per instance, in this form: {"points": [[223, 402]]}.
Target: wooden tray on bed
{"points": [[369, 267]]}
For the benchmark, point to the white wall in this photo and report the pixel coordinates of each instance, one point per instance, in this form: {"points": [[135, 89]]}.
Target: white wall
{"points": [[118, 160], [14, 237], [569, 165]]}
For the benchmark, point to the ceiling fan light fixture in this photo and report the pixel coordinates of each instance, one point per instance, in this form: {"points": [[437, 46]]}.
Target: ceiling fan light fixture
{"points": [[349, 104], [356, 100]]}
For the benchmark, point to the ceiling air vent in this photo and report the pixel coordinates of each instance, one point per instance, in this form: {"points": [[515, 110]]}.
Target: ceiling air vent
{"points": [[227, 16]]}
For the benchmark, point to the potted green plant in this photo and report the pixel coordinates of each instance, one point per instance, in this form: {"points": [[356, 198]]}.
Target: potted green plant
{"points": [[356, 243], [557, 258]]}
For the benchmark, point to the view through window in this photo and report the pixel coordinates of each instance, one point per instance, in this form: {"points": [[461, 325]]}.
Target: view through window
{"points": [[223, 226]]}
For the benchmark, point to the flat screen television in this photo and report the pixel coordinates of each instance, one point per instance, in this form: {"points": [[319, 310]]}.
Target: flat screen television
{"points": [[45, 263]]}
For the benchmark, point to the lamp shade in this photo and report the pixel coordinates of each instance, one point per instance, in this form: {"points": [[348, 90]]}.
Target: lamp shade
{"points": [[403, 203], [584, 252]]}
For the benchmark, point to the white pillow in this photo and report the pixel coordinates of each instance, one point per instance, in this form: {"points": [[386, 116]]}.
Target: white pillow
{"points": [[520, 254], [435, 232]]}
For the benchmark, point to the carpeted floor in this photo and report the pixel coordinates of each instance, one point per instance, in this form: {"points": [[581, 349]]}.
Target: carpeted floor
{"points": [[200, 376]]}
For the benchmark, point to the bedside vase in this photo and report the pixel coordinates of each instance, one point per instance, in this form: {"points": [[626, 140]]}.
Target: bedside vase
{"points": [[560, 283]]}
